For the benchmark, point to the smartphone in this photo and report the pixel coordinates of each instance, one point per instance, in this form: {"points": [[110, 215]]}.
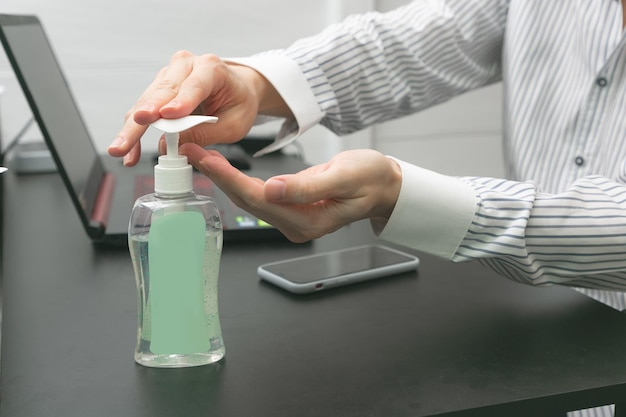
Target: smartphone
{"points": [[322, 271]]}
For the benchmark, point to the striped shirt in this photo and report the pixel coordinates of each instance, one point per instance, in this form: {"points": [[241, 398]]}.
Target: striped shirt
{"points": [[560, 215]]}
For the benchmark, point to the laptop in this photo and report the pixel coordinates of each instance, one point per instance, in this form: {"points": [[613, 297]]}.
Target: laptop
{"points": [[101, 189]]}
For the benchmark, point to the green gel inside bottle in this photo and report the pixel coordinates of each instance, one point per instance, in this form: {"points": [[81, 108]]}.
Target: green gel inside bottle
{"points": [[176, 249]]}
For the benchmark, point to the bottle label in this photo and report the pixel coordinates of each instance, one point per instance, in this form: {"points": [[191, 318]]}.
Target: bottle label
{"points": [[176, 295]]}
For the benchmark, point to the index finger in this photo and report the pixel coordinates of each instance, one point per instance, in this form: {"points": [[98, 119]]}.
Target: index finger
{"points": [[164, 88], [127, 139], [148, 107]]}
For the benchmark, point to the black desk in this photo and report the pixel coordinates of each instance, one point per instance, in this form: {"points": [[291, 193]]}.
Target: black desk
{"points": [[454, 340]]}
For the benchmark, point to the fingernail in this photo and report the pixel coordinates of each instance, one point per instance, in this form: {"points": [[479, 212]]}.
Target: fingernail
{"points": [[174, 104], [203, 166], [126, 160], [118, 143], [274, 189]]}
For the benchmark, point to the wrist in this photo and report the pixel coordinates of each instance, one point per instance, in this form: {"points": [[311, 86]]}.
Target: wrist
{"points": [[393, 190], [269, 101], [390, 195]]}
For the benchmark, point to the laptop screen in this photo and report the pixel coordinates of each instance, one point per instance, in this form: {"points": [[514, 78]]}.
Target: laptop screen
{"points": [[53, 107]]}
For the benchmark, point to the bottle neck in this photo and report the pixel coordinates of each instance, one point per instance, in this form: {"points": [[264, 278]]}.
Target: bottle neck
{"points": [[174, 196]]}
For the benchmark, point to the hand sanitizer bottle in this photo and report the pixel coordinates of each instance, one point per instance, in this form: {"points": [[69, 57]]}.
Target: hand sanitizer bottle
{"points": [[175, 241]]}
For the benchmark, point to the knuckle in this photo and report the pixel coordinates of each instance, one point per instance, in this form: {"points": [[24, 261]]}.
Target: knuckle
{"points": [[210, 59], [217, 65], [181, 54]]}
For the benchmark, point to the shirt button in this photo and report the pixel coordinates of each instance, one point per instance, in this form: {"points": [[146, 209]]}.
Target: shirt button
{"points": [[602, 82], [579, 161]]}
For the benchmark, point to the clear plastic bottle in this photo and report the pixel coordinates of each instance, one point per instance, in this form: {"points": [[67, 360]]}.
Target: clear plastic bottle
{"points": [[175, 241]]}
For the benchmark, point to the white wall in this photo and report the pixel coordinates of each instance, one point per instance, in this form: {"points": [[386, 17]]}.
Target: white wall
{"points": [[110, 51]]}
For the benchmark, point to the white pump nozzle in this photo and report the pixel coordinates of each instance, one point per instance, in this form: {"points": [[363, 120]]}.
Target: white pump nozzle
{"points": [[171, 140], [173, 175]]}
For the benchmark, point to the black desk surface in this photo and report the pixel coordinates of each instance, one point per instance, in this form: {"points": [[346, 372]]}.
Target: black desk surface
{"points": [[452, 340]]}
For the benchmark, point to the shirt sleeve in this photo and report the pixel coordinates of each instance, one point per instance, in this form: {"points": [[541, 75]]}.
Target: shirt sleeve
{"points": [[377, 66], [289, 81], [424, 218], [575, 238]]}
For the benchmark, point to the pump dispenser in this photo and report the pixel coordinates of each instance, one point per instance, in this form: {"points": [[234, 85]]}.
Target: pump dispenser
{"points": [[175, 241], [173, 175]]}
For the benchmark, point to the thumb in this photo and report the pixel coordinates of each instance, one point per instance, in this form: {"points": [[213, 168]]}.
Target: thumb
{"points": [[300, 188], [274, 189]]}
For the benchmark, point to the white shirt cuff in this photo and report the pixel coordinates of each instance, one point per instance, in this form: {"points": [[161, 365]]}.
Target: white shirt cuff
{"points": [[287, 78], [433, 212]]}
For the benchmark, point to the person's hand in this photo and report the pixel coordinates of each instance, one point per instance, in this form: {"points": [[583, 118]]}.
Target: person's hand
{"points": [[201, 85], [354, 185]]}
